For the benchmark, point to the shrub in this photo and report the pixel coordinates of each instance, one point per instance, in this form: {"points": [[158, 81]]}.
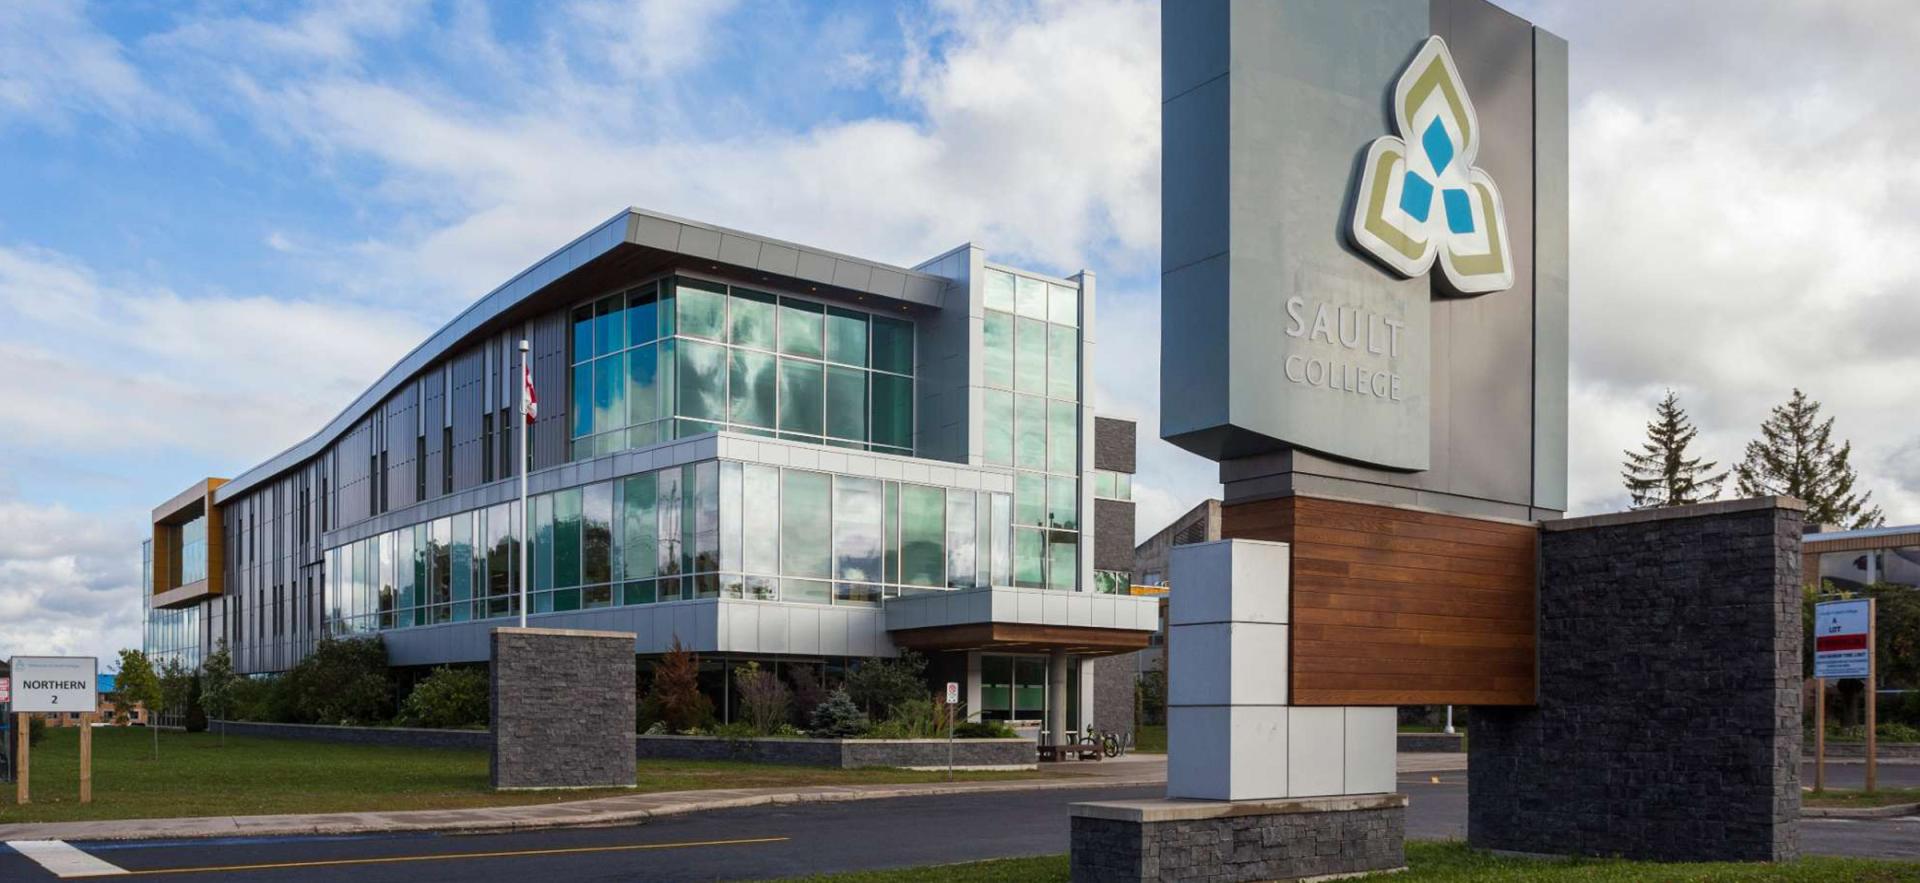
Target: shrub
{"points": [[808, 691], [836, 717], [449, 697], [675, 699], [345, 681], [880, 684], [261, 699], [763, 699], [921, 718], [983, 730]]}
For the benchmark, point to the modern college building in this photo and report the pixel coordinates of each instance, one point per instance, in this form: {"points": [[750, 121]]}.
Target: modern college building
{"points": [[761, 449]]}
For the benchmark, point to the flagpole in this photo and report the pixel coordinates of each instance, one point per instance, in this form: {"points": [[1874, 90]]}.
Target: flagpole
{"points": [[526, 537]]}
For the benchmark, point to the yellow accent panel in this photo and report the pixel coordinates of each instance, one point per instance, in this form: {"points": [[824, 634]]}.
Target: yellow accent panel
{"points": [[1376, 210], [1435, 77]]}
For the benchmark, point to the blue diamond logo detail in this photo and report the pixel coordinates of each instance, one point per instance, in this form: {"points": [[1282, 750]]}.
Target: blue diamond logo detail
{"points": [[1439, 146], [1416, 197], [1459, 211]]}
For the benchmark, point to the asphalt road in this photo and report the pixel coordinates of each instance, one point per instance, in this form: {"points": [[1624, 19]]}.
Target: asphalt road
{"points": [[772, 842]]}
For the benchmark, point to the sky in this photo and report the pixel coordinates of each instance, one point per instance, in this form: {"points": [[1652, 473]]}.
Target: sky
{"points": [[220, 220]]}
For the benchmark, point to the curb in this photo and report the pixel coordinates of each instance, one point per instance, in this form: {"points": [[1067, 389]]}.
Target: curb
{"points": [[1863, 812], [236, 826]]}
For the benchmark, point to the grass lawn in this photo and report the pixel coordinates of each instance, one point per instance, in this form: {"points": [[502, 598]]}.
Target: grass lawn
{"points": [[1454, 862], [1881, 797], [195, 776], [1150, 740]]}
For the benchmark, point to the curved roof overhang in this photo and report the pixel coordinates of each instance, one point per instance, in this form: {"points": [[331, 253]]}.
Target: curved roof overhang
{"points": [[627, 247]]}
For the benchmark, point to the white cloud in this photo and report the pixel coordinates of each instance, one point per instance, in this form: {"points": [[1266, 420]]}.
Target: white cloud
{"points": [[69, 582], [55, 67]]}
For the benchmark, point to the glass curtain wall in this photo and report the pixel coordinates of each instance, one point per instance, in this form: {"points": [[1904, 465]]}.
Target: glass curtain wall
{"points": [[716, 529], [1032, 422], [681, 356]]}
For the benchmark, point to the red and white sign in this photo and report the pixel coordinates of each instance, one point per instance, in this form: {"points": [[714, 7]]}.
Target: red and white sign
{"points": [[953, 693], [6, 690], [1842, 645]]}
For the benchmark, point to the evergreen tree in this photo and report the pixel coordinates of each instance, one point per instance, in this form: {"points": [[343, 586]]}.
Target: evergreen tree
{"points": [[1795, 456], [1661, 473]]}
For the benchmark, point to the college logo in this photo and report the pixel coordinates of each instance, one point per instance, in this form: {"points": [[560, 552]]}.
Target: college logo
{"points": [[1420, 195]]}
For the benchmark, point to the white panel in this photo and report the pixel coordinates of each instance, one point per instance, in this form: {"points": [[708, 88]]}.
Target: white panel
{"points": [[803, 458], [723, 624], [1371, 745], [1006, 606], [745, 628], [1258, 652], [1053, 608], [775, 455], [1240, 580], [773, 628], [1102, 614], [1260, 739], [1029, 609], [803, 632], [1079, 609], [1261, 581], [915, 472], [833, 635], [1316, 752]]}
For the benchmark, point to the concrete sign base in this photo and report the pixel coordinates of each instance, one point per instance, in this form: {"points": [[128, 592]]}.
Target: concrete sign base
{"points": [[1312, 838]]}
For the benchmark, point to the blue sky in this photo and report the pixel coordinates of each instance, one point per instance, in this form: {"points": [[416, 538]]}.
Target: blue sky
{"points": [[220, 220]]}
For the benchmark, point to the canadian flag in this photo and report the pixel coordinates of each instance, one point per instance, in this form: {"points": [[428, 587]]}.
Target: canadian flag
{"points": [[533, 402]]}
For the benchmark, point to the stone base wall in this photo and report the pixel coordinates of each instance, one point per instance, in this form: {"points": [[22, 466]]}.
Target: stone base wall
{"points": [[399, 737], [563, 708], [1226, 842], [843, 754], [1858, 750], [1432, 743], [1668, 720]]}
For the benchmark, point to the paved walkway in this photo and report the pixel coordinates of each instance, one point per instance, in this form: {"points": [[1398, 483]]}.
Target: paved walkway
{"points": [[1133, 770]]}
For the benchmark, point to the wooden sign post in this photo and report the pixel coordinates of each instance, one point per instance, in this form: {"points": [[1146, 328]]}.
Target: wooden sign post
{"points": [[86, 758], [20, 775]]}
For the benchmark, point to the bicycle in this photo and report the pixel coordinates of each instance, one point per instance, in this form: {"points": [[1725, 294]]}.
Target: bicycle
{"points": [[1106, 742]]}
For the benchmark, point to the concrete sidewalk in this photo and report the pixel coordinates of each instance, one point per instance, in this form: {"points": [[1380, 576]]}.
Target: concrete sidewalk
{"points": [[1131, 771]]}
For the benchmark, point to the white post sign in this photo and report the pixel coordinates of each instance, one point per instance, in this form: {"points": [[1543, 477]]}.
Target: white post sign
{"points": [[953, 693], [1842, 646], [55, 683]]}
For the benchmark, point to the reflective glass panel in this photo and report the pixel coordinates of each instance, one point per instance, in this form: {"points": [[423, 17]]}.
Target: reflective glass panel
{"points": [[1029, 558], [846, 336], [703, 380], [856, 529], [751, 388], [1063, 503], [1063, 447], [643, 394], [997, 293], [1030, 356], [1030, 499], [1063, 304], [846, 402], [800, 396], [961, 539], [923, 527], [609, 325], [703, 308], [702, 517], [800, 328], [1030, 432], [566, 538], [730, 517], [806, 591], [806, 535], [760, 528], [1063, 568], [997, 428], [639, 529], [667, 513], [610, 392], [1030, 297], [596, 525], [892, 345], [461, 562], [751, 319], [643, 321], [1063, 362], [583, 399], [997, 347], [893, 411], [583, 333]]}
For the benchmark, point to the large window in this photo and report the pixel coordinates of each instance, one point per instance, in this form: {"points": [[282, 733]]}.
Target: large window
{"points": [[703, 530], [683, 356], [1031, 419]]}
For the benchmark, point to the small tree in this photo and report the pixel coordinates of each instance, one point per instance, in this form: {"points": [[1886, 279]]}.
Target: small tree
{"points": [[1795, 455], [137, 685], [676, 700], [344, 681], [176, 688], [1661, 473], [836, 717], [217, 686], [763, 699], [808, 691], [879, 685]]}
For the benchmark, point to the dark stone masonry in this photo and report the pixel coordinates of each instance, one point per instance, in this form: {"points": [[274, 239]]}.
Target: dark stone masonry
{"points": [[563, 708], [1219, 842], [1668, 723]]}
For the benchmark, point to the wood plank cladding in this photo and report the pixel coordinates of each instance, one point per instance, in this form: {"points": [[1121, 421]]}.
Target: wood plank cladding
{"points": [[1402, 607]]}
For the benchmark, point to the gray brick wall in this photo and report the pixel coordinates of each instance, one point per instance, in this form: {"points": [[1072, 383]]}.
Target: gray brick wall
{"points": [[563, 708], [1282, 846], [1113, 446], [1668, 723], [1113, 678], [842, 753], [402, 737], [1112, 535]]}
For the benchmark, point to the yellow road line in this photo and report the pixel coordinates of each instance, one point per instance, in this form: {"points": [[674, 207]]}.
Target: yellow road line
{"points": [[449, 856]]}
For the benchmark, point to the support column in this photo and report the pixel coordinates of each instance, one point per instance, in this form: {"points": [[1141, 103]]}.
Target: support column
{"points": [[1287, 792], [1057, 696]]}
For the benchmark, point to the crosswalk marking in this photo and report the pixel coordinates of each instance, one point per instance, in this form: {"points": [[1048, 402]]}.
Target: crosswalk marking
{"points": [[64, 860]]}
